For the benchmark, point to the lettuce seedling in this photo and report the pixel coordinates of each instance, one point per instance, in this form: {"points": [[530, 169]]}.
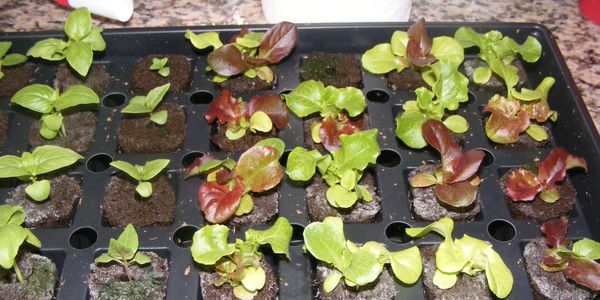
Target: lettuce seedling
{"points": [[456, 180], [124, 251], [42, 160], [51, 102], [465, 255], [147, 104], [142, 173], [228, 184], [84, 39], [341, 169], [13, 236], [511, 117], [257, 115], [524, 184], [334, 105], [249, 53], [498, 52], [161, 65], [239, 264], [357, 265], [8, 60], [578, 263]]}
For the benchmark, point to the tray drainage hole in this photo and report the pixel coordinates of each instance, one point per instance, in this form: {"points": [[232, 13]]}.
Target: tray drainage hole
{"points": [[284, 157], [190, 157], [99, 162], [202, 97], [488, 159], [378, 96], [389, 158], [297, 235], [83, 238], [114, 100], [501, 230], [396, 232], [184, 235]]}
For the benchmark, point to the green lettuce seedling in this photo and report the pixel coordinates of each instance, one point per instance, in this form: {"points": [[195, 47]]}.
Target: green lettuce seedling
{"points": [[124, 251], [13, 235], [147, 104], [42, 160], [84, 39], [8, 60], [357, 265], [142, 173], [342, 169], [161, 66], [465, 255], [51, 102], [239, 264]]}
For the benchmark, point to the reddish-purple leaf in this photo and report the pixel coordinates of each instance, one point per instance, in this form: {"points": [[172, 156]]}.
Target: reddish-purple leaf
{"points": [[227, 61], [465, 166], [273, 106], [255, 61], [223, 176], [331, 130], [554, 260], [460, 194], [259, 168], [522, 185], [419, 45], [556, 232], [437, 135], [218, 202], [507, 120], [538, 111], [278, 42], [192, 169], [225, 108], [585, 272], [554, 167]]}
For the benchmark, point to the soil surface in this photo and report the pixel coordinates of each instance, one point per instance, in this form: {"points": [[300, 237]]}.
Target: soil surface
{"points": [[3, 128], [407, 80], [40, 275], [361, 212], [80, 128], [383, 287], [539, 209], [425, 206], [57, 210], [548, 285], [496, 83], [266, 207], [139, 135], [122, 204], [248, 140], [144, 79], [225, 291], [309, 144], [242, 83], [466, 287], [109, 281], [336, 69], [15, 78], [97, 78]]}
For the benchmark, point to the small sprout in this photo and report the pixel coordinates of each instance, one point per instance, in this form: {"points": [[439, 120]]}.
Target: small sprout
{"points": [[143, 174], [13, 236], [84, 39], [42, 160], [161, 66], [147, 104], [51, 102], [124, 251], [8, 60]]}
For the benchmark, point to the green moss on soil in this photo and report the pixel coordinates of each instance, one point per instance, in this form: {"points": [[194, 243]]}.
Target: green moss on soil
{"points": [[317, 67], [143, 288]]}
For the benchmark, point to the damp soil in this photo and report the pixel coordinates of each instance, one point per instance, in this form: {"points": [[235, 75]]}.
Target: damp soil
{"points": [[361, 212], [425, 206], [384, 287], [335, 69], [40, 275], [144, 79], [241, 83], [79, 127], [97, 78], [109, 281], [248, 140], [266, 207], [3, 128], [15, 78], [57, 210], [496, 83], [307, 123], [407, 80], [122, 204], [137, 134], [225, 291]]}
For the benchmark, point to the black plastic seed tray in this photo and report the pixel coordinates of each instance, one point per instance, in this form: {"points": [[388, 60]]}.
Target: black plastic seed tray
{"points": [[74, 248]]}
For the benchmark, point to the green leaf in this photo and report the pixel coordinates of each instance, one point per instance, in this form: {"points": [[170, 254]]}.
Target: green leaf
{"points": [[406, 265], [164, 72], [144, 189], [301, 164], [159, 63], [352, 100], [242, 293], [4, 47], [398, 42], [530, 50], [220, 78], [11, 238], [498, 275], [156, 95], [331, 281], [78, 24], [356, 151], [235, 135], [119, 251], [447, 49], [507, 72], [253, 278], [250, 73], [247, 42], [363, 193], [444, 280], [159, 117], [587, 248], [276, 143], [246, 205], [13, 59], [550, 195], [76, 95], [260, 121], [128, 168], [209, 244], [141, 259], [443, 226], [137, 105], [38, 190], [364, 267], [80, 57], [456, 123], [50, 158], [11, 166], [265, 73], [408, 129], [104, 258], [325, 240], [349, 179], [95, 40], [481, 75], [48, 133], [129, 239], [52, 121], [537, 132], [1, 75], [49, 49], [468, 37], [305, 99], [278, 236], [381, 59], [11, 214], [153, 168], [421, 180], [451, 88], [36, 97], [339, 196], [204, 40]]}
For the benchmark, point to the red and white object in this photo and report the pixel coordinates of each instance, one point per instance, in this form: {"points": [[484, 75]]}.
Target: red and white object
{"points": [[120, 10]]}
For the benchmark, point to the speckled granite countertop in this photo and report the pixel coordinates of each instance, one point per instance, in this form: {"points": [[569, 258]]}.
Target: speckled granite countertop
{"points": [[579, 39]]}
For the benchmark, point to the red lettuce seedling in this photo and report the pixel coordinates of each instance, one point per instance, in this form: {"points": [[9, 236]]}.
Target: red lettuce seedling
{"points": [[455, 181], [228, 184], [524, 185], [257, 115], [418, 48], [577, 264]]}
